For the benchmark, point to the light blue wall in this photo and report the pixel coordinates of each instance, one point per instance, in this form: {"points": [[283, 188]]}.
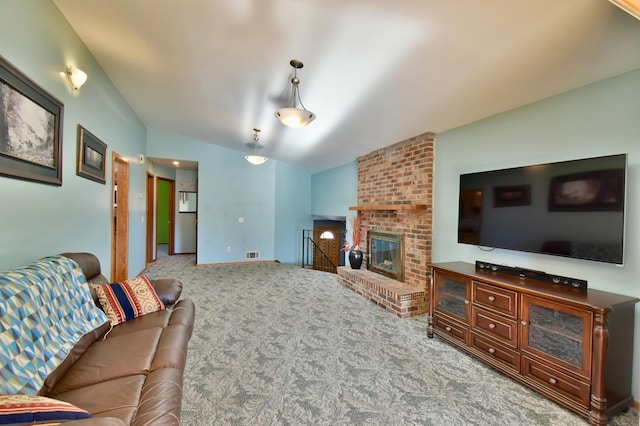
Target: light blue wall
{"points": [[335, 190], [293, 201], [37, 219], [229, 188], [600, 119]]}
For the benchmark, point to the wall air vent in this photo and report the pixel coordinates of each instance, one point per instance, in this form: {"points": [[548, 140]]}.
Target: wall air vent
{"points": [[252, 255]]}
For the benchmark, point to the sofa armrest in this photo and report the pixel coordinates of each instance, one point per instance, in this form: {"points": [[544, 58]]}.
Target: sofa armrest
{"points": [[168, 289]]}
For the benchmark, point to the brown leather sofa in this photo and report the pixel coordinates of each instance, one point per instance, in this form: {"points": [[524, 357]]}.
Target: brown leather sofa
{"points": [[132, 374]]}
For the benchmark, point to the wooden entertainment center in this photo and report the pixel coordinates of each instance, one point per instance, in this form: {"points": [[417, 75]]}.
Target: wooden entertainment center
{"points": [[575, 346]]}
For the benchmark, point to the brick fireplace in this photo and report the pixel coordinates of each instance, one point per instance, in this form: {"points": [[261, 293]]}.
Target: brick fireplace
{"points": [[395, 193]]}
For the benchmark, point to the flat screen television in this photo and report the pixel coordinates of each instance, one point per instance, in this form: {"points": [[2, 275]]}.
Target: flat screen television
{"points": [[569, 208]]}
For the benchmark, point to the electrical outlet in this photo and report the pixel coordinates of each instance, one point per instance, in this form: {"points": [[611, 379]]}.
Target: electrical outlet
{"points": [[229, 249]]}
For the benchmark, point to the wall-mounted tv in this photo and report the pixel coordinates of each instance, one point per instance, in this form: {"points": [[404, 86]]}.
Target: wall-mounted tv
{"points": [[569, 208]]}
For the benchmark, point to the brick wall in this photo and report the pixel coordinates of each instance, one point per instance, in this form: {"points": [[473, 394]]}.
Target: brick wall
{"points": [[401, 174]]}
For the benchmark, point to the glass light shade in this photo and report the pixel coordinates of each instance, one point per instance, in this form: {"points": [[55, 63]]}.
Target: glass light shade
{"points": [[295, 117], [76, 77], [256, 159]]}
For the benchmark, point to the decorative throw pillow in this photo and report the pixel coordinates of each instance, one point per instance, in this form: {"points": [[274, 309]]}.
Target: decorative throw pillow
{"points": [[128, 299], [26, 409]]}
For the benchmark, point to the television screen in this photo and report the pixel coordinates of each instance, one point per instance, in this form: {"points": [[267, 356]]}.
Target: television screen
{"points": [[570, 208]]}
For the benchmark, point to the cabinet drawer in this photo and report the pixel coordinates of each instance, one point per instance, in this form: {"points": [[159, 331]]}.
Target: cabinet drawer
{"points": [[451, 329], [494, 298], [557, 381], [502, 328], [503, 355]]}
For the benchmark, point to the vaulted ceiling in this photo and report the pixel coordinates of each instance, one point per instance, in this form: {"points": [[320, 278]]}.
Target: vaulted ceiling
{"points": [[375, 71]]}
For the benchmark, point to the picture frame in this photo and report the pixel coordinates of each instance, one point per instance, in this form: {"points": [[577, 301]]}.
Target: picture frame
{"points": [[511, 196], [188, 202], [92, 156], [600, 190], [30, 129]]}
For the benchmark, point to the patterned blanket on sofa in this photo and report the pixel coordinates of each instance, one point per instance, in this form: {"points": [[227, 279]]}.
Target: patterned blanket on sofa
{"points": [[45, 308]]}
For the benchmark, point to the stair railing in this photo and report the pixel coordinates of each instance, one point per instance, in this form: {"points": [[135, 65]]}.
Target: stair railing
{"points": [[313, 256]]}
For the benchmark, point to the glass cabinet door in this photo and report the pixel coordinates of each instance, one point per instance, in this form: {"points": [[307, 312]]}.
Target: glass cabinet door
{"points": [[550, 330], [453, 295]]}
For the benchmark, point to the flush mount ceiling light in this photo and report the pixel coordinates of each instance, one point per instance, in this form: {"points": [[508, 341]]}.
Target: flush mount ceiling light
{"points": [[76, 77], [255, 158], [292, 116]]}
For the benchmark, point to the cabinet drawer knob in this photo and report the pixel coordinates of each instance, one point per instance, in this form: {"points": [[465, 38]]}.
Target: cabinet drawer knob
{"points": [[466, 302], [553, 381], [492, 326], [492, 351], [523, 322], [447, 328], [491, 298]]}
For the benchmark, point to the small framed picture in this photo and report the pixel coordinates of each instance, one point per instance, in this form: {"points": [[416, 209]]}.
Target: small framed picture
{"points": [[509, 196], [92, 156], [30, 129]]}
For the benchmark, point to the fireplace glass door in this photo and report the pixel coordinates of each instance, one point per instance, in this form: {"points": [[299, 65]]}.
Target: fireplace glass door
{"points": [[386, 254]]}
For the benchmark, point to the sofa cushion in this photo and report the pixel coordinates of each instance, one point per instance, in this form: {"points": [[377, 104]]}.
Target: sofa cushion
{"points": [[25, 409], [128, 299], [112, 358], [75, 354], [111, 398]]}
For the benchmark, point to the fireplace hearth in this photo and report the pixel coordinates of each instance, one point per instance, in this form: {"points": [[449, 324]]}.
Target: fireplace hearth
{"points": [[386, 254]]}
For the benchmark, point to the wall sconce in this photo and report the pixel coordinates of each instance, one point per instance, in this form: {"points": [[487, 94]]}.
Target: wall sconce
{"points": [[76, 77], [291, 116]]}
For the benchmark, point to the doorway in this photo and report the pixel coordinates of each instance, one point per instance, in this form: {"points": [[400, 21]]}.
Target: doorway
{"points": [[165, 217], [120, 218], [328, 236]]}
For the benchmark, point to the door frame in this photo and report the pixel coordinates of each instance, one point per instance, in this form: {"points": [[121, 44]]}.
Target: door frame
{"points": [[172, 213], [119, 210]]}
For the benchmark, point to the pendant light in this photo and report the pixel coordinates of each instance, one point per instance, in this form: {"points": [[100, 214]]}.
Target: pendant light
{"points": [[292, 116], [255, 159]]}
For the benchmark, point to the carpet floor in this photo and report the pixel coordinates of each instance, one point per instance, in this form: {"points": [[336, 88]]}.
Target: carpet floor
{"points": [[281, 345]]}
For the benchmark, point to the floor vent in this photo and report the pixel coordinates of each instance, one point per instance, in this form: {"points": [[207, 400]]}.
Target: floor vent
{"points": [[252, 255]]}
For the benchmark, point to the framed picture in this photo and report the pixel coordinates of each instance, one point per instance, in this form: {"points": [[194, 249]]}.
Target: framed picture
{"points": [[600, 190], [30, 129], [509, 196], [92, 156]]}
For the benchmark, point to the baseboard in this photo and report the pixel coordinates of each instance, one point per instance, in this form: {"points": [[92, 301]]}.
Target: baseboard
{"points": [[636, 405], [252, 262]]}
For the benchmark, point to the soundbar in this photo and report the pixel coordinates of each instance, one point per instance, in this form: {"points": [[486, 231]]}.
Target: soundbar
{"points": [[533, 274]]}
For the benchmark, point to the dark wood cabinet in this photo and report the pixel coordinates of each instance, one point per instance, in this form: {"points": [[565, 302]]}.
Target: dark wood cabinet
{"points": [[572, 345]]}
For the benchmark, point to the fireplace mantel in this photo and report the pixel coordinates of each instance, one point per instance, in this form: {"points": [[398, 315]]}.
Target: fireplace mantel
{"points": [[390, 207]]}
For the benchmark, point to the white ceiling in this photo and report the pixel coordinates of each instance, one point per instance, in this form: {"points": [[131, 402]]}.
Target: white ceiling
{"points": [[375, 72]]}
